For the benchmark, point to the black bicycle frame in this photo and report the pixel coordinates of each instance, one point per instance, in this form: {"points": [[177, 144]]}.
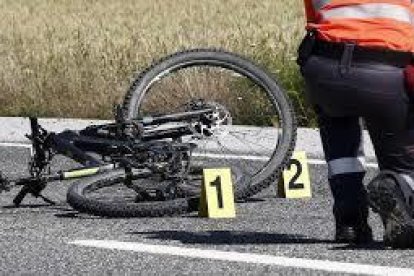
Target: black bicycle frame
{"points": [[113, 140]]}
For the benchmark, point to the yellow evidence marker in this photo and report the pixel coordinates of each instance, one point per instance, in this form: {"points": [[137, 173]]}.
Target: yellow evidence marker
{"points": [[295, 182], [217, 198]]}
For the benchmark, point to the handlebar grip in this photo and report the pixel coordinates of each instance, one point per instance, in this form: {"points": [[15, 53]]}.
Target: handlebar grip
{"points": [[20, 196]]}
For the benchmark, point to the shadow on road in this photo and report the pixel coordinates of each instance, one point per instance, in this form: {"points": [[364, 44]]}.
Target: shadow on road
{"points": [[38, 207], [375, 245], [234, 238], [230, 237], [251, 200], [26, 206]]}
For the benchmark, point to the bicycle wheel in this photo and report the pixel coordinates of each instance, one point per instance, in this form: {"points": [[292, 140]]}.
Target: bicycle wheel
{"points": [[107, 195], [255, 128]]}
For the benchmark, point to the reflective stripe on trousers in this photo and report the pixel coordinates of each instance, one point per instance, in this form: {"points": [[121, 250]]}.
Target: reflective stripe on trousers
{"points": [[345, 165]]}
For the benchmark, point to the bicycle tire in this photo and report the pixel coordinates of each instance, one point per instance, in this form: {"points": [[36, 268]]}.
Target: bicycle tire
{"points": [[221, 58], [76, 197]]}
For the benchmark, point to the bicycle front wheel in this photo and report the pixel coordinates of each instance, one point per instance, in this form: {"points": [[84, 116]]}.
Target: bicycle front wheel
{"points": [[254, 127]]}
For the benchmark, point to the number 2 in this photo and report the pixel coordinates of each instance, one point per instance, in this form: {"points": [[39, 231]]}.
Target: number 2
{"points": [[292, 184]]}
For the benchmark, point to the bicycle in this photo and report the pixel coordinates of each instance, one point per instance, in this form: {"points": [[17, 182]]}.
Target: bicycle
{"points": [[169, 127]]}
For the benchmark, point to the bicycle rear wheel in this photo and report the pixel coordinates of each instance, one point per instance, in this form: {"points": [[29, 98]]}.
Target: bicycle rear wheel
{"points": [[255, 129], [106, 195]]}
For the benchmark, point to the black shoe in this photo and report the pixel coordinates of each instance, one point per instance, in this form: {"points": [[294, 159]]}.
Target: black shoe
{"points": [[352, 222], [387, 199], [350, 209], [353, 234]]}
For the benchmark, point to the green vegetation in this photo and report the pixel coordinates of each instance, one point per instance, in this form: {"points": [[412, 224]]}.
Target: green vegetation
{"points": [[76, 58]]}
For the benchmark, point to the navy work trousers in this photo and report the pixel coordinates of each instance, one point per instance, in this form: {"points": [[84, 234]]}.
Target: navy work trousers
{"points": [[342, 93]]}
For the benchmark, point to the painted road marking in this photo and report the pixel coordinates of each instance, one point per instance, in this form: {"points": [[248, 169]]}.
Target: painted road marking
{"points": [[214, 155], [18, 145], [231, 256], [265, 158]]}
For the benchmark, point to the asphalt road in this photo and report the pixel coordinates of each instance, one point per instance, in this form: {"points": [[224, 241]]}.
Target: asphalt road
{"points": [[36, 238]]}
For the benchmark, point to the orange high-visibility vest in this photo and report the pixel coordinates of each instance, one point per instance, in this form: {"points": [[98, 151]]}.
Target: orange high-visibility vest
{"points": [[385, 24]]}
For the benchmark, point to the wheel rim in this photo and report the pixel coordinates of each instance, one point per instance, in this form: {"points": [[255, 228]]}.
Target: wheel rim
{"points": [[258, 120]]}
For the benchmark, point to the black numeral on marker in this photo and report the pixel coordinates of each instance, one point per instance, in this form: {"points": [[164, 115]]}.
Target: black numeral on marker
{"points": [[292, 184], [217, 183]]}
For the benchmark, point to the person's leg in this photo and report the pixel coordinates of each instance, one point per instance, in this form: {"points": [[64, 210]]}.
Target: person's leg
{"points": [[341, 140], [392, 191], [334, 100], [390, 121]]}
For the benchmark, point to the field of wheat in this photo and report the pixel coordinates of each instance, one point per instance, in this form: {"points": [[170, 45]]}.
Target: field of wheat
{"points": [[77, 58]]}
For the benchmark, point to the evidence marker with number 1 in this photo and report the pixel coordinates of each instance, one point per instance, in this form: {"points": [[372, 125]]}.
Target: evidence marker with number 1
{"points": [[294, 181], [217, 198]]}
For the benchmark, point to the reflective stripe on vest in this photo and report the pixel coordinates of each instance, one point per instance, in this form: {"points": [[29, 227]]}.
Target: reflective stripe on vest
{"points": [[372, 10], [381, 24], [345, 165]]}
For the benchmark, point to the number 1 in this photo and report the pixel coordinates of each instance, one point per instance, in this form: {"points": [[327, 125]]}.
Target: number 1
{"points": [[217, 183]]}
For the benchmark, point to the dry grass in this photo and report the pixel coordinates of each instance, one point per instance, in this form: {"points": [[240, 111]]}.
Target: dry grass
{"points": [[76, 58]]}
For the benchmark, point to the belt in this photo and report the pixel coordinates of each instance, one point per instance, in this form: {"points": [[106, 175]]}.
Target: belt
{"points": [[362, 54]]}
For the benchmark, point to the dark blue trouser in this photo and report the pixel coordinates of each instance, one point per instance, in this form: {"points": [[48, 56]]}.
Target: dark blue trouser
{"points": [[373, 92]]}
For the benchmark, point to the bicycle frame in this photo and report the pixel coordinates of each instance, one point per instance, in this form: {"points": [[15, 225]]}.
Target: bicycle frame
{"points": [[124, 144]]}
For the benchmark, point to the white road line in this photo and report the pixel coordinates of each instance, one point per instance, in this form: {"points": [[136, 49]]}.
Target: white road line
{"points": [[212, 155], [322, 162], [229, 256], [264, 158], [18, 145]]}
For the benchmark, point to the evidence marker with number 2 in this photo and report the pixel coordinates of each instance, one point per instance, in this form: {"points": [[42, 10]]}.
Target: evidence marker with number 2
{"points": [[217, 198], [294, 181]]}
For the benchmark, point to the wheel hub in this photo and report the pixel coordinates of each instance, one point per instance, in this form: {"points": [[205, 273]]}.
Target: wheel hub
{"points": [[210, 124]]}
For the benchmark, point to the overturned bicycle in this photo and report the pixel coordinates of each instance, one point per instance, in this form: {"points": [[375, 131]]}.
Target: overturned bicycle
{"points": [[191, 110]]}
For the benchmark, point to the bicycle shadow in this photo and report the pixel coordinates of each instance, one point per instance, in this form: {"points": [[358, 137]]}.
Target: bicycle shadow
{"points": [[59, 210], [38, 206]]}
